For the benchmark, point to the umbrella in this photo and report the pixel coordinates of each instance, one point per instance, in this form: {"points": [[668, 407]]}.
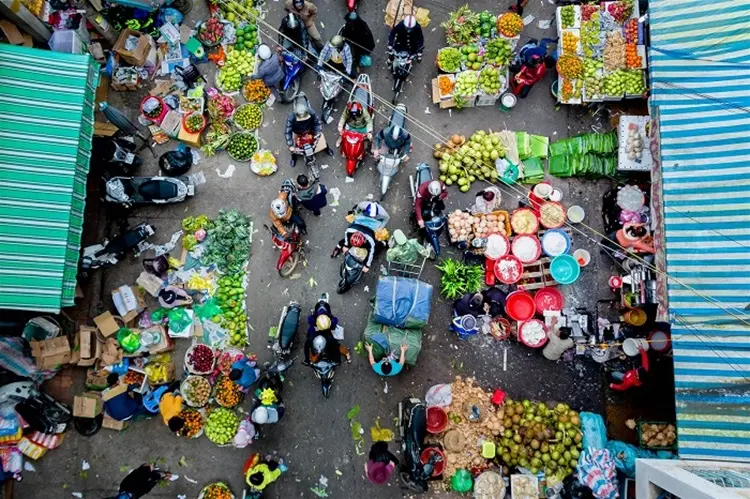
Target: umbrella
{"points": [[119, 120]]}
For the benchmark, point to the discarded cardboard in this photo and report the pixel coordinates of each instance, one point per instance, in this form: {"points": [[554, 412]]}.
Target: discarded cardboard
{"points": [[87, 405], [50, 354], [444, 103], [150, 283], [106, 324], [129, 302], [96, 379], [138, 55], [165, 343], [104, 129], [192, 139], [114, 391], [113, 424], [89, 347], [11, 32], [111, 353]]}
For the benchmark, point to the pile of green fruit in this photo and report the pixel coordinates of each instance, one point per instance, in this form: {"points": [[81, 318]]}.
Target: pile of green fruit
{"points": [[539, 437], [593, 78], [462, 165], [489, 80], [498, 51], [449, 59], [248, 117], [238, 63], [247, 37], [242, 146], [221, 426], [568, 16], [467, 84], [614, 83], [470, 57], [238, 11], [230, 297], [633, 81], [487, 21]]}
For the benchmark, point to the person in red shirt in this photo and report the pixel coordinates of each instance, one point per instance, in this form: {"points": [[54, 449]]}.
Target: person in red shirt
{"points": [[632, 378], [430, 197]]}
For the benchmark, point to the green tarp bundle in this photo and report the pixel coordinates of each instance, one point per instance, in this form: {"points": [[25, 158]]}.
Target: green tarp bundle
{"points": [[47, 107], [381, 335]]}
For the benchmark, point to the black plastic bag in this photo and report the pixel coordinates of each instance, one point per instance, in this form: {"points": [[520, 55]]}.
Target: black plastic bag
{"points": [[176, 163]]}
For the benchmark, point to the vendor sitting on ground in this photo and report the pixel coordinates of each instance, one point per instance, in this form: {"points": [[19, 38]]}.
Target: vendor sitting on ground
{"points": [[635, 236], [558, 343], [172, 296], [170, 407], [493, 301], [244, 372], [487, 200], [469, 304], [125, 405], [387, 366], [261, 472]]}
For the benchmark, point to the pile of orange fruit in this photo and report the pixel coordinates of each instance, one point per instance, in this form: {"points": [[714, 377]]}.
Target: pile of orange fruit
{"points": [[632, 59]]}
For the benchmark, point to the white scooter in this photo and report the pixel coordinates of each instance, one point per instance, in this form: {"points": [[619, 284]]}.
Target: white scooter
{"points": [[390, 162]]}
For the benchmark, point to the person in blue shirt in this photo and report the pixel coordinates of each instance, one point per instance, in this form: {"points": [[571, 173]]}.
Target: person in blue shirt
{"points": [[244, 372], [387, 366], [123, 406]]}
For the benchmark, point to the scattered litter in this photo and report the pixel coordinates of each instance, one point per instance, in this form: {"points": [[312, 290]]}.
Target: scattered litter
{"points": [[196, 156], [285, 292], [228, 173], [367, 289], [322, 25], [505, 359], [324, 167], [85, 465], [77, 494], [339, 473], [385, 388], [369, 197], [189, 479], [427, 110], [528, 20], [323, 481], [174, 477], [197, 178], [295, 276], [182, 461], [124, 469], [336, 193], [379, 434], [319, 492], [183, 496], [450, 113], [312, 282], [27, 466], [349, 180], [544, 24], [167, 247]]}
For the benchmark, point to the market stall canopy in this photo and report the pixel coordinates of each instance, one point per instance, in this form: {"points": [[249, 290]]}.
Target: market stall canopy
{"points": [[700, 81], [47, 116]]}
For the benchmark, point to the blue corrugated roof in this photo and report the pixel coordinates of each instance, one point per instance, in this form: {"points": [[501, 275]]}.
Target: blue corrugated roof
{"points": [[700, 78]]}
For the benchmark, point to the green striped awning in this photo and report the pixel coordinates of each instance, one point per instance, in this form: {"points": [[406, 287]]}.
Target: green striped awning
{"points": [[46, 128]]}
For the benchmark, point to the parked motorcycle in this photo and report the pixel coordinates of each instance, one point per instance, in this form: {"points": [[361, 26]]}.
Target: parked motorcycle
{"points": [[400, 68], [130, 191], [434, 220], [108, 253], [42, 412], [325, 371], [330, 88], [353, 143], [116, 154], [282, 341], [391, 161], [412, 427]]}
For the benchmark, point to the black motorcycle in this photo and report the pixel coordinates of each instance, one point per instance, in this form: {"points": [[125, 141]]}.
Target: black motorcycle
{"points": [[412, 427], [109, 252], [283, 341], [130, 191], [116, 155], [325, 371], [42, 412], [400, 68], [351, 269]]}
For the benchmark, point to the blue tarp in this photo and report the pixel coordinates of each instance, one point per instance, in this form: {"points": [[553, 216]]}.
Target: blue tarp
{"points": [[402, 302]]}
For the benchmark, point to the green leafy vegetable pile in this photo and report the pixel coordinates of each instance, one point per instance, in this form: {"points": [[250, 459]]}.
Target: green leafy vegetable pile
{"points": [[462, 26], [459, 278], [228, 242]]}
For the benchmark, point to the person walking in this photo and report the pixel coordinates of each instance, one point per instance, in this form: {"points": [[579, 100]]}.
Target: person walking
{"points": [[308, 13], [312, 195], [141, 481], [380, 463]]}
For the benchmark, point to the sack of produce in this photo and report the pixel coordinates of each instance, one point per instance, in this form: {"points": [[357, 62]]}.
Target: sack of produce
{"points": [[402, 302], [387, 339]]}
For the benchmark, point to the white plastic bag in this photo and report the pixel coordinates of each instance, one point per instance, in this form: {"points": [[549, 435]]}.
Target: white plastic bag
{"points": [[263, 163], [440, 395]]}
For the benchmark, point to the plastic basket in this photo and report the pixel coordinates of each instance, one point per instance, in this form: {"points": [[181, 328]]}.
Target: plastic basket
{"points": [[164, 109], [262, 117], [185, 118], [202, 495], [251, 156], [190, 401]]}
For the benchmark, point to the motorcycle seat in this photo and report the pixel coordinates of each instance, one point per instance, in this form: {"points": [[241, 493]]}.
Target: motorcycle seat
{"points": [[158, 189]]}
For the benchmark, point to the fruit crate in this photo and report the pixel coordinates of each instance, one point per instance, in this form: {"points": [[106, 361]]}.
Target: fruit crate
{"points": [[640, 95], [592, 98], [486, 100], [579, 46], [558, 18], [536, 275]]}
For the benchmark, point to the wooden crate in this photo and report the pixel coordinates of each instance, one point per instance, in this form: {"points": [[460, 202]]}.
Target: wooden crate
{"points": [[536, 275]]}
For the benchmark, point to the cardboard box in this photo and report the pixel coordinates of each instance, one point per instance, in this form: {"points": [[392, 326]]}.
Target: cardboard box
{"points": [[89, 347], [111, 353], [106, 324], [191, 139], [114, 391], [87, 405], [104, 129], [11, 32], [150, 283], [138, 55], [444, 103], [50, 354], [165, 343], [129, 302], [113, 424]]}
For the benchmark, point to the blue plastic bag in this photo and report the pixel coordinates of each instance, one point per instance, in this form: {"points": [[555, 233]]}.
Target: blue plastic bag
{"points": [[365, 61], [594, 431]]}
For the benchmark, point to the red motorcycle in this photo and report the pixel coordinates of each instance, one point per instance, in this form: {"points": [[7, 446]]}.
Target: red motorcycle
{"points": [[351, 5], [291, 249], [353, 143]]}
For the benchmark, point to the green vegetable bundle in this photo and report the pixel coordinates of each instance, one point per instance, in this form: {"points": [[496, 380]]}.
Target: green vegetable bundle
{"points": [[459, 278], [462, 26], [228, 242]]}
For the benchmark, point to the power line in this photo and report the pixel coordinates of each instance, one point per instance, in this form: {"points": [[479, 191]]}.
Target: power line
{"points": [[436, 135]]}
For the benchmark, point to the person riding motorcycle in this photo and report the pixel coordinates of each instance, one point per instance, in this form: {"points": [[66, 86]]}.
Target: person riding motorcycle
{"points": [[301, 121], [293, 34], [357, 236], [337, 54], [392, 137], [320, 344], [407, 37], [430, 196], [282, 213], [359, 36], [357, 119]]}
